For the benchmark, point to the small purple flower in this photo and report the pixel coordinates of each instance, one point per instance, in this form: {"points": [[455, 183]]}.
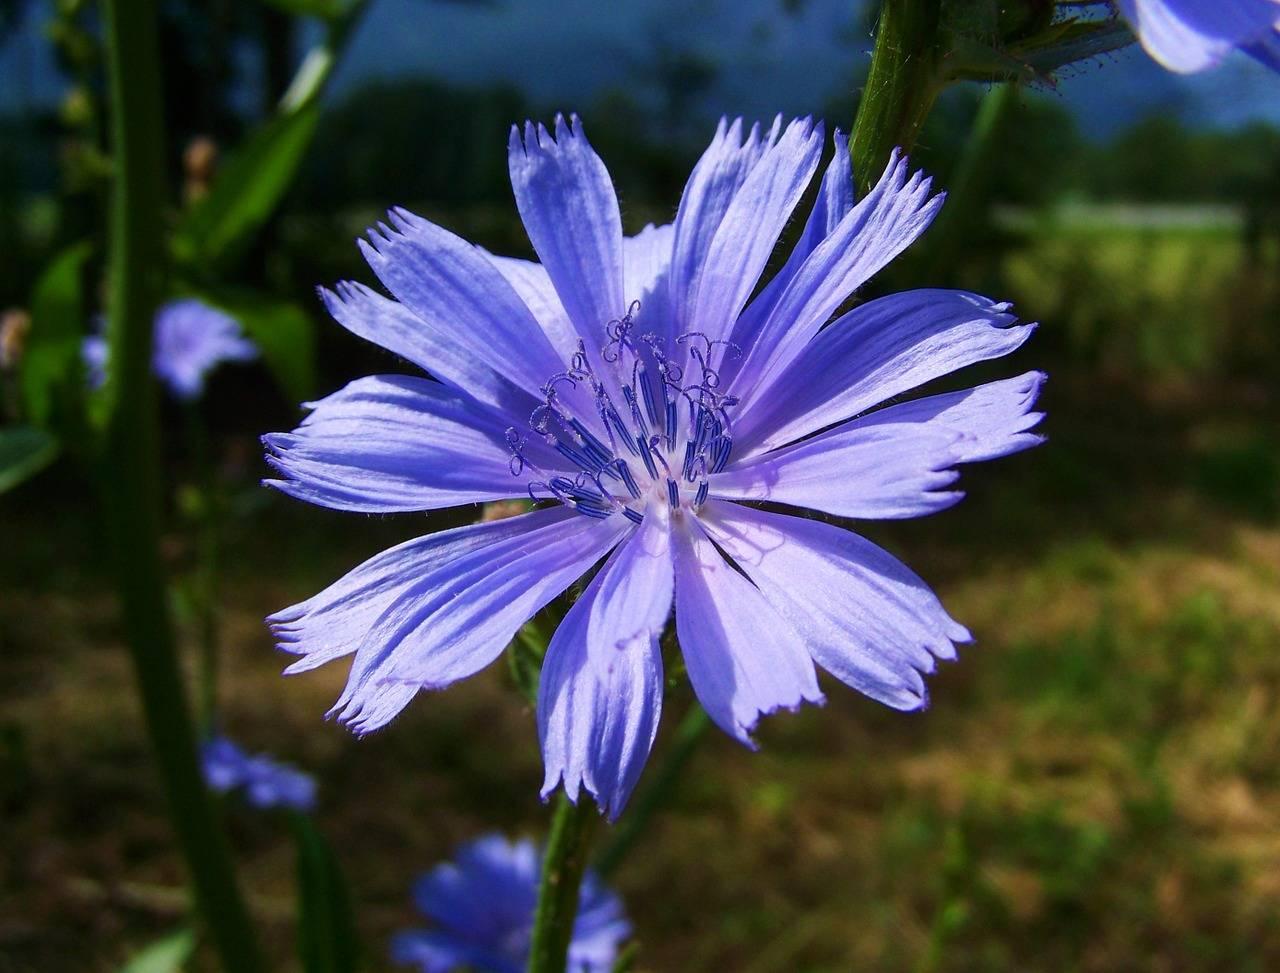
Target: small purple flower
{"points": [[190, 340], [483, 907], [265, 783], [637, 389], [1191, 35]]}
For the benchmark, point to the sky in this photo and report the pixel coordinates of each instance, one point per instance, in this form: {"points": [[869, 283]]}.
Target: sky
{"points": [[566, 53]]}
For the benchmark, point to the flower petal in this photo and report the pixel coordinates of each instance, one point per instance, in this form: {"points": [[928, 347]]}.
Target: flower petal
{"points": [[878, 350], [885, 471], [391, 325], [750, 228], [835, 200], [895, 462], [335, 622], [462, 298], [392, 442], [600, 694], [1266, 49], [437, 952], [570, 211], [457, 617], [646, 268], [1192, 35], [712, 185], [881, 226], [991, 420], [864, 615], [530, 280], [744, 660]]}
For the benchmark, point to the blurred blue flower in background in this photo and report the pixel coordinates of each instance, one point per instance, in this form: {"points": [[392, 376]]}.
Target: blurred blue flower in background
{"points": [[637, 385], [483, 905], [190, 340], [1191, 35], [264, 782]]}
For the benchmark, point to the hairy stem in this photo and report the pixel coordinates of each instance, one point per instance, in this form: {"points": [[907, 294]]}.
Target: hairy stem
{"points": [[131, 475], [563, 864], [902, 84]]}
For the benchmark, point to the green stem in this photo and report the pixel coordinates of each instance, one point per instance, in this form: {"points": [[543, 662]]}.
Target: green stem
{"points": [[658, 790], [902, 84], [565, 860], [968, 186], [130, 470]]}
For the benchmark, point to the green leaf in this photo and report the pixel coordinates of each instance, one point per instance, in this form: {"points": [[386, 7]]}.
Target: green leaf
{"points": [[247, 190], [284, 334], [24, 452], [52, 374], [327, 940], [164, 956]]}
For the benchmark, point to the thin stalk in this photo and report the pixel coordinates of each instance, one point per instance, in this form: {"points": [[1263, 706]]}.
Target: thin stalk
{"points": [[131, 475], [563, 864], [659, 789], [968, 187], [902, 84]]}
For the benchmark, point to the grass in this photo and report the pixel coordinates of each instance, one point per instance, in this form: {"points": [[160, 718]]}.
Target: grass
{"points": [[1094, 788]]}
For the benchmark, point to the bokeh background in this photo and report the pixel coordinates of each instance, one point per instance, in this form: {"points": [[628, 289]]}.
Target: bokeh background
{"points": [[1095, 786]]}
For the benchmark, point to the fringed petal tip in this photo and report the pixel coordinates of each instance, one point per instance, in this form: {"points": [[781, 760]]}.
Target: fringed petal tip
{"points": [[610, 807], [745, 730]]}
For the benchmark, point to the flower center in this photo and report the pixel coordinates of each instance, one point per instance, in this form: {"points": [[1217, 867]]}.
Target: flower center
{"points": [[663, 428]]}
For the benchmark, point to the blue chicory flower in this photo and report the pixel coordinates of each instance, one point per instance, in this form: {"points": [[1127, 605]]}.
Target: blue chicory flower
{"points": [[483, 907], [1191, 35], [190, 340], [638, 385], [264, 782]]}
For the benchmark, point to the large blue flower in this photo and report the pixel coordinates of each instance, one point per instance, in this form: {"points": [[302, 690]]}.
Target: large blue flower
{"points": [[1192, 35], [190, 339], [483, 906], [645, 387]]}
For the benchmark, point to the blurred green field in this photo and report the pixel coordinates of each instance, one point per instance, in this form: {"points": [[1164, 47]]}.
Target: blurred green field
{"points": [[1095, 787], [1160, 302]]}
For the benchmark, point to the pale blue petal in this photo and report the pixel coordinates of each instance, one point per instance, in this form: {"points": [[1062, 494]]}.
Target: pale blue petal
{"points": [[877, 351], [462, 298], [394, 443], [646, 268], [1191, 35], [835, 200], [883, 224], [336, 621], [570, 211], [864, 616], [433, 347], [990, 421], [744, 660], [600, 694], [712, 185], [454, 620], [530, 280], [885, 471], [750, 227]]}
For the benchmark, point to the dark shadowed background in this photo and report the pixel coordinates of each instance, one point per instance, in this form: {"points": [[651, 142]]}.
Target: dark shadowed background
{"points": [[1095, 786]]}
